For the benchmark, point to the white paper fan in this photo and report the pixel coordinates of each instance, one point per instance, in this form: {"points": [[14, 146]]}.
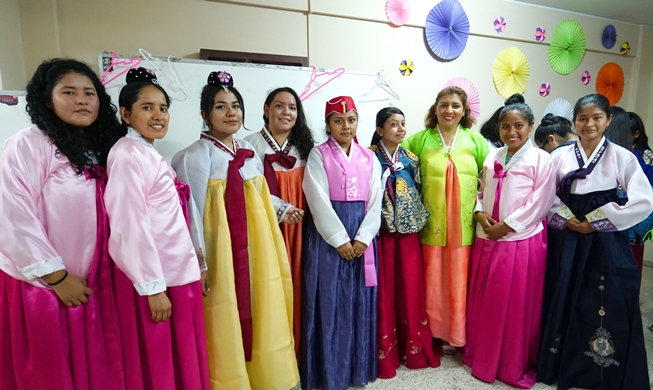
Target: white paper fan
{"points": [[473, 97], [560, 107]]}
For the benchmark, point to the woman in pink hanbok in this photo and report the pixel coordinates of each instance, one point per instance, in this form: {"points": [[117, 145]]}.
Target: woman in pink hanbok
{"points": [[157, 280], [504, 308], [57, 320]]}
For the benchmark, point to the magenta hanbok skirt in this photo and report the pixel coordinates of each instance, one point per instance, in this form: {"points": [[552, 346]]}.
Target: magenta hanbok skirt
{"points": [[504, 309], [163, 355]]}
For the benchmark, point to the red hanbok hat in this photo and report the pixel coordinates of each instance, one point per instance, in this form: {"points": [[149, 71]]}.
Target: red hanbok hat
{"points": [[340, 105]]}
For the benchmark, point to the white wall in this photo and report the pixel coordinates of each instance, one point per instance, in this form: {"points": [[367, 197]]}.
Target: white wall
{"points": [[340, 33], [12, 67]]}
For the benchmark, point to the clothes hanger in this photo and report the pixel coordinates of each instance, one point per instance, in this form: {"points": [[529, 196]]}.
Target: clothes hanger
{"points": [[130, 63], [333, 74], [382, 82], [173, 83]]}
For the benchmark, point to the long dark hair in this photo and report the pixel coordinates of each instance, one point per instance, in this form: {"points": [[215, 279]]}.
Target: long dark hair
{"points": [[300, 135], [490, 129], [618, 131], [641, 141], [466, 121], [207, 99], [381, 117], [97, 138]]}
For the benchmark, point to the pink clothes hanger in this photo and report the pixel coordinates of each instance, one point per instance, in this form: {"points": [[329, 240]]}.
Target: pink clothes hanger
{"points": [[334, 74], [130, 63]]}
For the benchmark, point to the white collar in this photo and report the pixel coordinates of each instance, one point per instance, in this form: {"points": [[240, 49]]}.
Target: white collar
{"points": [[235, 144], [351, 148], [135, 135], [453, 142], [394, 159], [515, 157], [591, 157], [276, 146]]}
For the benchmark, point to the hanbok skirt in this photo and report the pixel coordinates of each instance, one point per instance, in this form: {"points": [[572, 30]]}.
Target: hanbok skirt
{"points": [[46, 345], [290, 183], [504, 313], [593, 337], [166, 355], [339, 312], [273, 365], [402, 327]]}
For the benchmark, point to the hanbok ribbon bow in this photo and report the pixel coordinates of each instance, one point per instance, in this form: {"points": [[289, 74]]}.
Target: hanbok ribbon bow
{"points": [[285, 161], [499, 173]]}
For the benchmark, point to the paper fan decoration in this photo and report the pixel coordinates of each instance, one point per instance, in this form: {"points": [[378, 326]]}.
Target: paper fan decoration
{"points": [[625, 48], [510, 72], [585, 79], [545, 89], [567, 47], [610, 82], [609, 36], [473, 97], [560, 107], [540, 34], [397, 11], [447, 29], [499, 24], [406, 68]]}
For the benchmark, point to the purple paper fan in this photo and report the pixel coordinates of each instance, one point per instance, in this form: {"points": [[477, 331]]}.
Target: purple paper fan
{"points": [[609, 36], [447, 29]]}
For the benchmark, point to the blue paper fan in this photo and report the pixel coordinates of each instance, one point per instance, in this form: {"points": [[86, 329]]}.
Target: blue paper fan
{"points": [[447, 29], [609, 36], [561, 107]]}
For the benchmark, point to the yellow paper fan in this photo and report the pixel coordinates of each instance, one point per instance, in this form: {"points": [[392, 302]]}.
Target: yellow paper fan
{"points": [[510, 72]]}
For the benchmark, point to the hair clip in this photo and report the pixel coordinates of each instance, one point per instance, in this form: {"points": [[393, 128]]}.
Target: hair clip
{"points": [[222, 79], [140, 75]]}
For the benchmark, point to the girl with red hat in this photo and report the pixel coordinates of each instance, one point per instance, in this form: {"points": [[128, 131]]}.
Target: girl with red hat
{"points": [[342, 184]]}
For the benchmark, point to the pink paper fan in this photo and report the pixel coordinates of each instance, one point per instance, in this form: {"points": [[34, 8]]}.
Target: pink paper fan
{"points": [[540, 34], [585, 79], [397, 11], [545, 89], [473, 97], [499, 24]]}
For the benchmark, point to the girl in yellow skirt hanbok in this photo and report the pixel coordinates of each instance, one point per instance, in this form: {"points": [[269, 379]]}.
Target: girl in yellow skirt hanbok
{"points": [[249, 311]]}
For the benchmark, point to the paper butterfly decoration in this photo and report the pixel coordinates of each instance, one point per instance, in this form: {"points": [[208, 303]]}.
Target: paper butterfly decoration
{"points": [[625, 48], [407, 67], [540, 34], [499, 24], [545, 89], [586, 77]]}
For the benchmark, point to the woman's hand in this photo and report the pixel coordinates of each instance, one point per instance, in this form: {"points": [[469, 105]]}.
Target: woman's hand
{"points": [[293, 216], [346, 251], [498, 230], [579, 227], [359, 249], [73, 290], [485, 220], [204, 279], [160, 306]]}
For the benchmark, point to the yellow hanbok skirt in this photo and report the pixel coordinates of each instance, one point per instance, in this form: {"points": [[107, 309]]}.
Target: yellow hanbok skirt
{"points": [[273, 364]]}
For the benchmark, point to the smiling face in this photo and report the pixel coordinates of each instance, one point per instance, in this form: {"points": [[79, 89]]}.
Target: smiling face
{"points": [[590, 123], [75, 100], [149, 114], [281, 113], [226, 116], [449, 111], [393, 131], [514, 130], [342, 127]]}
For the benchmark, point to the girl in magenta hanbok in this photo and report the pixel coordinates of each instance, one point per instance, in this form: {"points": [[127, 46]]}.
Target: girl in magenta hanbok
{"points": [[507, 271], [57, 320], [157, 279]]}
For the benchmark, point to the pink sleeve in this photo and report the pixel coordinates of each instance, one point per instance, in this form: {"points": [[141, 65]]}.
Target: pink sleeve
{"points": [[538, 203], [131, 244], [24, 240]]}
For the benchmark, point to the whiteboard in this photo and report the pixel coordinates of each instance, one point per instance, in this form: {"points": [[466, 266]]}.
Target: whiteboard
{"points": [[254, 81]]}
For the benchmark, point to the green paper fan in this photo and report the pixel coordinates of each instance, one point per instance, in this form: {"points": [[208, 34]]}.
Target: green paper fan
{"points": [[567, 47]]}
